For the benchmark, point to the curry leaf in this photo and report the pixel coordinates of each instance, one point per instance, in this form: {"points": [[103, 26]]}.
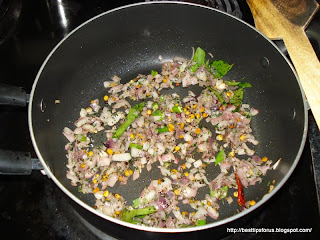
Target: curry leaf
{"points": [[221, 68], [220, 157], [237, 97], [154, 73], [199, 57]]}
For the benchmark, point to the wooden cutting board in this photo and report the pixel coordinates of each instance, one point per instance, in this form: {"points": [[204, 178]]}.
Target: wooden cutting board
{"points": [[287, 20]]}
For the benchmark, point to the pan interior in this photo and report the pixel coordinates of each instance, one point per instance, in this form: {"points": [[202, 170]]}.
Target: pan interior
{"points": [[129, 41]]}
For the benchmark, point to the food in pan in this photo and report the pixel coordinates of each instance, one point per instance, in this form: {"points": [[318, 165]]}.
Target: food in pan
{"points": [[146, 124]]}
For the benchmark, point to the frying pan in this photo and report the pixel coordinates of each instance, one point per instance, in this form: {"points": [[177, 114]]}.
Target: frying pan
{"points": [[127, 41]]}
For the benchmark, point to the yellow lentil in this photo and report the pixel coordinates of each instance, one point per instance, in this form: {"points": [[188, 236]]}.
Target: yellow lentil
{"points": [[89, 154], [219, 137]]}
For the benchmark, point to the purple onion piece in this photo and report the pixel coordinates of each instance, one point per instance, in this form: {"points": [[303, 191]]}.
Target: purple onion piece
{"points": [[162, 203], [109, 143]]}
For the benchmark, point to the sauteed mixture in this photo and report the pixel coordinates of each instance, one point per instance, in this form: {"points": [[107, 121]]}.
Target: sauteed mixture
{"points": [[144, 126]]}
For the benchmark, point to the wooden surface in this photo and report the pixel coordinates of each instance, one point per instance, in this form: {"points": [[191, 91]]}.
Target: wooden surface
{"points": [[287, 20]]}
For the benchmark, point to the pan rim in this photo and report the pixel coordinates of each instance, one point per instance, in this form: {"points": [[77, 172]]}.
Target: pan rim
{"points": [[153, 229]]}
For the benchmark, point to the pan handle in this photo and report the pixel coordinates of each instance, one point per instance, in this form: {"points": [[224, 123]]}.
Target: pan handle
{"points": [[13, 96], [17, 163]]}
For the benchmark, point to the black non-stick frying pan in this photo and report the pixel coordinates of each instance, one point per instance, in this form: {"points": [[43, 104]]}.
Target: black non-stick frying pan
{"points": [[127, 41]]}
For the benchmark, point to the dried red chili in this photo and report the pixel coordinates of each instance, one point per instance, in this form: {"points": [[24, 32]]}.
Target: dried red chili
{"points": [[241, 199]]}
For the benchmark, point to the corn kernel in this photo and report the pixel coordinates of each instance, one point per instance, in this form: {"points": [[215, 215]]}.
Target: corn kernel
{"points": [[188, 120], [195, 106], [117, 196], [159, 181], [131, 136], [130, 171], [181, 136], [92, 101], [235, 194], [198, 116], [109, 151], [231, 126], [185, 109], [221, 108], [219, 137], [83, 165], [106, 193], [164, 80], [117, 213], [242, 137], [186, 174], [231, 154], [191, 115], [183, 166], [106, 98], [113, 98], [176, 192], [96, 190], [252, 202], [208, 203], [95, 131], [187, 112], [204, 115], [89, 154], [203, 165], [149, 112], [120, 178], [229, 94], [198, 131], [138, 86], [264, 159], [95, 181], [177, 84], [202, 109], [181, 125]]}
